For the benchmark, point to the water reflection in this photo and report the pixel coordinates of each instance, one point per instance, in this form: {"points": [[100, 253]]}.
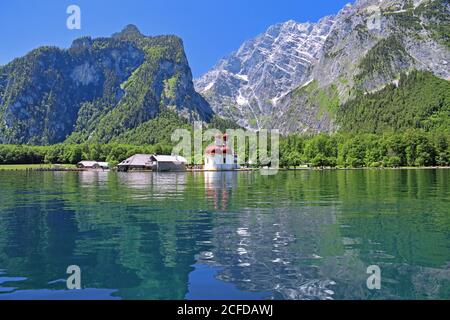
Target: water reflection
{"points": [[204, 285], [296, 235], [90, 178], [219, 186], [267, 252], [136, 180], [155, 184]]}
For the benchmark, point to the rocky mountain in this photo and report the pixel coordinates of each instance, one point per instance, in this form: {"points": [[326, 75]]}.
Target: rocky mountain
{"points": [[297, 77], [365, 47], [359, 58], [97, 89], [247, 84]]}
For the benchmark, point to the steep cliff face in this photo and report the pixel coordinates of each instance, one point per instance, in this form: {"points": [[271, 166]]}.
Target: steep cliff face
{"points": [[246, 85], [97, 89], [371, 44], [371, 55], [365, 47]]}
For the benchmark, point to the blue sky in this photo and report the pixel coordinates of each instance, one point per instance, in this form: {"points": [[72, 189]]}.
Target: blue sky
{"points": [[210, 28]]}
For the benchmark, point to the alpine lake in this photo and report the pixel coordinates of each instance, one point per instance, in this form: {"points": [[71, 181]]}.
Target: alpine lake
{"points": [[305, 234]]}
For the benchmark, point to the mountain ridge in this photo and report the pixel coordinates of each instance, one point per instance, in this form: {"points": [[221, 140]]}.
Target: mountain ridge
{"points": [[273, 75], [96, 89], [296, 77], [354, 57]]}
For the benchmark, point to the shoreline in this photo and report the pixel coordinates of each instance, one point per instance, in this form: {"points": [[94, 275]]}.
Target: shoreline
{"points": [[367, 168], [51, 168]]}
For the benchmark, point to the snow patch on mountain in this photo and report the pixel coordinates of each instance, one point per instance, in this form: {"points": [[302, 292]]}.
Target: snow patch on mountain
{"points": [[246, 84]]}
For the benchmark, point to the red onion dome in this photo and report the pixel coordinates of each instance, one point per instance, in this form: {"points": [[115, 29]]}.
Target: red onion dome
{"points": [[212, 150]]}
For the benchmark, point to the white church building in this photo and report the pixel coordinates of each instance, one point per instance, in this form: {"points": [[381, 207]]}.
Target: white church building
{"points": [[220, 156]]}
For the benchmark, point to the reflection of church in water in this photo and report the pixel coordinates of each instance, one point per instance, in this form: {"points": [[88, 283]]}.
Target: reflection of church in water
{"points": [[219, 188], [220, 161]]}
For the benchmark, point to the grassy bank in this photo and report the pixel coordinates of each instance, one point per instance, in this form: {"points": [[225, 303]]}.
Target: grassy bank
{"points": [[15, 167]]}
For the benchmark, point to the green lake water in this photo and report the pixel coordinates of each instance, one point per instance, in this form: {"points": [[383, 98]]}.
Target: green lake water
{"points": [[295, 235]]}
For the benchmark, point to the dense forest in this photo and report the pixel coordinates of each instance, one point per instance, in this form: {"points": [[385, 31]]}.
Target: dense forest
{"points": [[416, 100], [413, 147], [407, 123]]}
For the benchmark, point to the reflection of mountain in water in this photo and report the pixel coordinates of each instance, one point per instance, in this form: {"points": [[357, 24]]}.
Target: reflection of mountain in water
{"points": [[321, 249], [291, 235], [262, 252], [129, 245], [259, 251]]}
